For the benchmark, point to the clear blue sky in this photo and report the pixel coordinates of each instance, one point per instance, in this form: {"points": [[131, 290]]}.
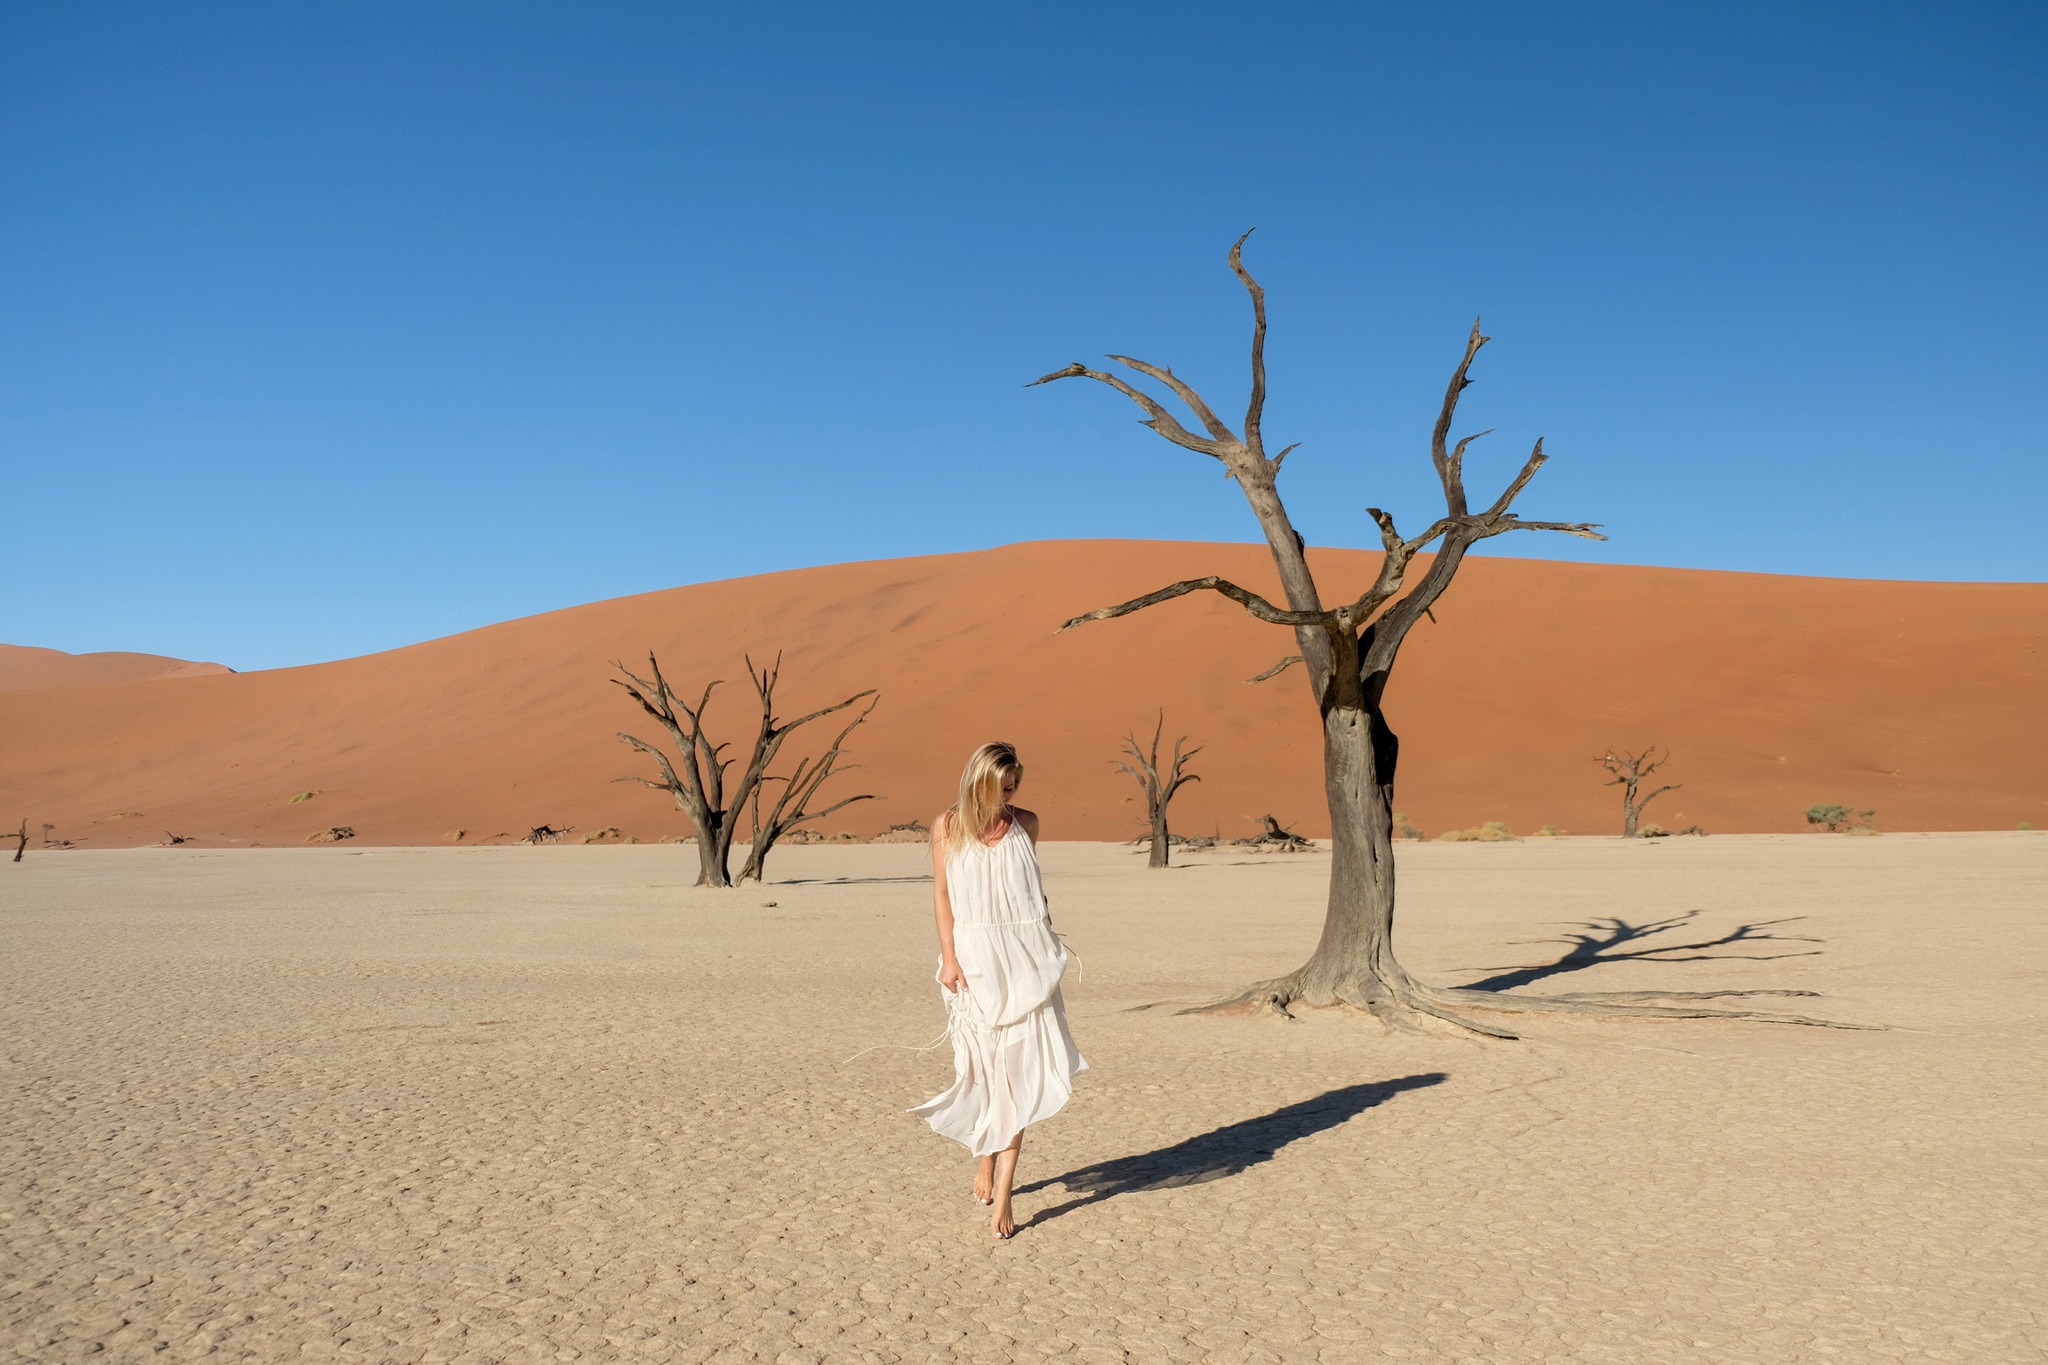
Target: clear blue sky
{"points": [[325, 328]]}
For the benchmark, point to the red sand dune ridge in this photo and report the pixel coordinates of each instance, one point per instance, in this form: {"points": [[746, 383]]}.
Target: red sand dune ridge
{"points": [[24, 666], [1920, 700]]}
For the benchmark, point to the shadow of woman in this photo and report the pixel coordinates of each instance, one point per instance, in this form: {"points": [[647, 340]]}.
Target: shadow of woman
{"points": [[1222, 1151]]}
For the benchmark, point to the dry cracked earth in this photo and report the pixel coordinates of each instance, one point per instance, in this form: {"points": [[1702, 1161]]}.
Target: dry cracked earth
{"points": [[554, 1104]]}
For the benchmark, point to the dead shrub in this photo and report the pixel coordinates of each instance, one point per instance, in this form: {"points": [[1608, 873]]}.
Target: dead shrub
{"points": [[1492, 832]]}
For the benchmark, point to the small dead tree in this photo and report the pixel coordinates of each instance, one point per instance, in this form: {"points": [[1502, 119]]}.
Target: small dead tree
{"points": [[696, 777], [1627, 771], [792, 808], [1272, 834], [1348, 652], [21, 840], [1159, 787]]}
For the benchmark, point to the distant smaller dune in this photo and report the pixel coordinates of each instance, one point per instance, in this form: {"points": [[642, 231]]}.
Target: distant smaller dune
{"points": [[25, 666]]}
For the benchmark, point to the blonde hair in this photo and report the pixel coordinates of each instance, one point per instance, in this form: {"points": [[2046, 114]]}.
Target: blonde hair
{"points": [[980, 805]]}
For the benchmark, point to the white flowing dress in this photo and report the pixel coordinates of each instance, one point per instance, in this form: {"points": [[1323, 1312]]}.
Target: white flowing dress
{"points": [[1014, 1061]]}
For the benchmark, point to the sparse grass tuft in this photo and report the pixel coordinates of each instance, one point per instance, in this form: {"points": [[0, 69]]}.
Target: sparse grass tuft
{"points": [[301, 796], [1404, 830], [2026, 824], [1492, 832], [1550, 831]]}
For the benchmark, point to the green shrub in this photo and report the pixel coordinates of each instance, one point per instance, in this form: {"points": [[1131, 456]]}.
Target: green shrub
{"points": [[1837, 818]]}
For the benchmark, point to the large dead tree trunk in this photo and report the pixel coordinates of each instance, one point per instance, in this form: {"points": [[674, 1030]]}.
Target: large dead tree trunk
{"points": [[1627, 772], [1348, 652], [792, 807], [696, 778], [1159, 788]]}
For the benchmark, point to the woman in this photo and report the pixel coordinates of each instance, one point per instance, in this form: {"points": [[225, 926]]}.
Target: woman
{"points": [[1000, 965]]}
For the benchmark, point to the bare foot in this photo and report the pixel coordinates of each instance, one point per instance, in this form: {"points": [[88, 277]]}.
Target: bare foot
{"points": [[985, 1180], [1002, 1224]]}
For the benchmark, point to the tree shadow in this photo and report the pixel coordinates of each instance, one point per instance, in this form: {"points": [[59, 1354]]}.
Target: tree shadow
{"points": [[1617, 940], [843, 881], [1224, 1151]]}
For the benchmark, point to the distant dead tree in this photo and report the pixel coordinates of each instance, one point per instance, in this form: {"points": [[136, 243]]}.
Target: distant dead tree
{"points": [[1348, 652], [696, 778], [1272, 834], [21, 840], [1159, 787], [792, 808], [1628, 771], [544, 834]]}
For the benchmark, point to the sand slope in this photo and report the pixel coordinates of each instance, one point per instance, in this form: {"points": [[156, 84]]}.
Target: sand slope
{"points": [[1921, 700], [24, 666]]}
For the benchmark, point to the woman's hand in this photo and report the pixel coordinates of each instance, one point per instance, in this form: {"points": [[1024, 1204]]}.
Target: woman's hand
{"points": [[950, 976]]}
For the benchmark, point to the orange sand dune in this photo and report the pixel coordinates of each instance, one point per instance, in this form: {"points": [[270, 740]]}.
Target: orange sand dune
{"points": [[27, 666], [1920, 700]]}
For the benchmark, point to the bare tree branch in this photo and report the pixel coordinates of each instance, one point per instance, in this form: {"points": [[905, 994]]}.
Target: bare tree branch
{"points": [[1222, 434], [1276, 670], [1449, 475], [1537, 459], [1250, 601], [1457, 462], [1254, 409], [1158, 418]]}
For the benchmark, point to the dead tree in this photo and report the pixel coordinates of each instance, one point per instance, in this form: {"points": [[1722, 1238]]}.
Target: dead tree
{"points": [[792, 808], [1272, 834], [1159, 788], [1627, 771], [696, 778], [21, 840], [1348, 652]]}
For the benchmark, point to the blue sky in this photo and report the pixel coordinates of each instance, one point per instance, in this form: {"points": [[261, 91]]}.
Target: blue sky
{"points": [[326, 328]]}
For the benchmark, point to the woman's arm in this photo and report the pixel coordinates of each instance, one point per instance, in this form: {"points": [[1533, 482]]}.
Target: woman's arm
{"points": [[1029, 819], [950, 975]]}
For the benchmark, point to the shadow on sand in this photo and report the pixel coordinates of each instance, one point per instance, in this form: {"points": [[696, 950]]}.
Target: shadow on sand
{"points": [[843, 881], [1222, 1151], [1616, 940]]}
